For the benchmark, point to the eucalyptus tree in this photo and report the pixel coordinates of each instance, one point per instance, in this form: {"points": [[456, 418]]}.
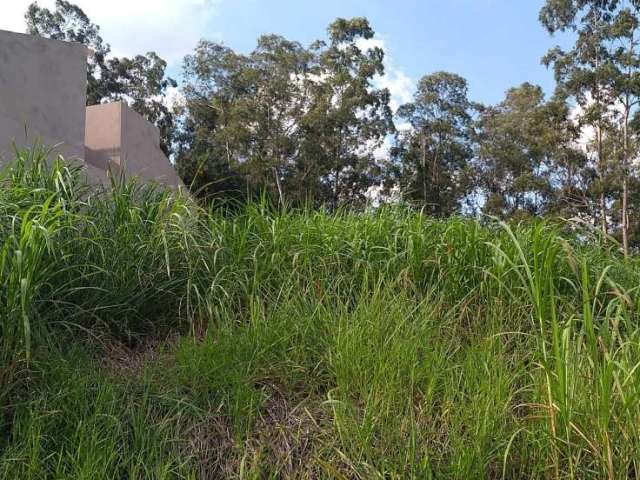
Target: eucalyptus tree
{"points": [[623, 33], [509, 154], [213, 137], [278, 102], [242, 115], [295, 122], [526, 161], [346, 117], [586, 73], [434, 154], [566, 165]]}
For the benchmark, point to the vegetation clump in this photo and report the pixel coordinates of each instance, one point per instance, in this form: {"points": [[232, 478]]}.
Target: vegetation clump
{"points": [[143, 336]]}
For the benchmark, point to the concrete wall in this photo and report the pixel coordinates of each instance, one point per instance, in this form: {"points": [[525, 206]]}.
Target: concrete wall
{"points": [[118, 137], [43, 86], [103, 129]]}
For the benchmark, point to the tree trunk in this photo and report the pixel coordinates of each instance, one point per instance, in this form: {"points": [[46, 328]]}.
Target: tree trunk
{"points": [[625, 157], [603, 205], [423, 151], [625, 216], [336, 182], [279, 186], [434, 184], [625, 186]]}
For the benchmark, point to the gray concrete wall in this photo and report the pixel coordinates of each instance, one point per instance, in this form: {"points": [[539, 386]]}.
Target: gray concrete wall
{"points": [[103, 140], [141, 154], [118, 137], [43, 86]]}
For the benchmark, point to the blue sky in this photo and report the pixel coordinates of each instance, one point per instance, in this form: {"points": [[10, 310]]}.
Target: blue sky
{"points": [[495, 44]]}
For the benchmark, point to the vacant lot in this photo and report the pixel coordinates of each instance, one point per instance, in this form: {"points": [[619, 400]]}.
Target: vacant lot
{"points": [[144, 337]]}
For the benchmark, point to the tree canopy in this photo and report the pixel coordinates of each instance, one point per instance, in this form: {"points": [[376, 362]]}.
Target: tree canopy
{"points": [[310, 125]]}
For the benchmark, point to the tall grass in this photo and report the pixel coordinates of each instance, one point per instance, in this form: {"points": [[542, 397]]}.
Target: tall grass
{"points": [[144, 336]]}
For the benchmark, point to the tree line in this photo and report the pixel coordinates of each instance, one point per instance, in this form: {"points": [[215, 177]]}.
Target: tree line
{"points": [[306, 124]]}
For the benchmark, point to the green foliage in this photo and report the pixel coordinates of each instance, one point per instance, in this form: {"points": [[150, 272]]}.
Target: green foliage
{"points": [[92, 427], [525, 162], [435, 153], [145, 337], [300, 124], [307, 126], [600, 73]]}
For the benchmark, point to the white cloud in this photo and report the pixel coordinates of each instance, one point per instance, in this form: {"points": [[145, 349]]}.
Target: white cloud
{"points": [[382, 153], [174, 98], [369, 43], [169, 27], [585, 142], [400, 85], [587, 132], [376, 196], [401, 88], [403, 127], [13, 16]]}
